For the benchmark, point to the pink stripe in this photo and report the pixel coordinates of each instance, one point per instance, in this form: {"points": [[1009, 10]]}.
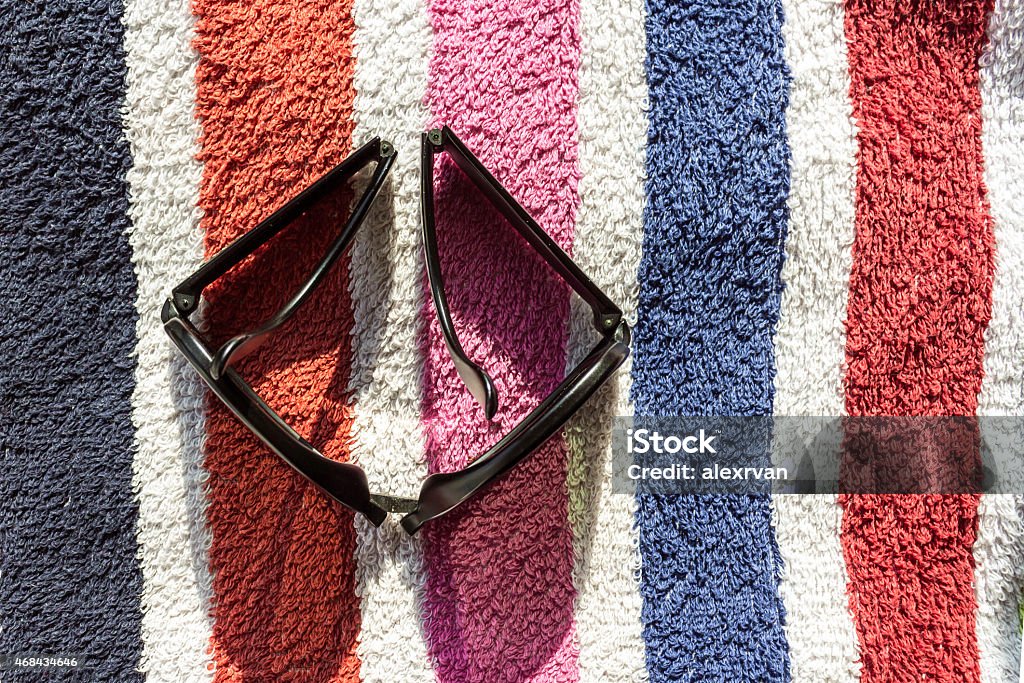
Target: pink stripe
{"points": [[499, 603]]}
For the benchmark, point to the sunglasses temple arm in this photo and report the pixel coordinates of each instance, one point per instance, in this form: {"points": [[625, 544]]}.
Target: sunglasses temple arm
{"points": [[186, 295], [443, 492], [241, 345], [479, 383]]}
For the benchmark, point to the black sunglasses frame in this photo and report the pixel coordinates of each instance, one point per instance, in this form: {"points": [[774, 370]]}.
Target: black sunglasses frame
{"points": [[345, 482]]}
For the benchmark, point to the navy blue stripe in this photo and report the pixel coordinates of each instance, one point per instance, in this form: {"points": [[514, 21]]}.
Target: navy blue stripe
{"points": [[714, 231], [70, 579]]}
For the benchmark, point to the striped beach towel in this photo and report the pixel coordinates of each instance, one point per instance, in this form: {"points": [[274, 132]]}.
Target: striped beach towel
{"points": [[805, 207]]}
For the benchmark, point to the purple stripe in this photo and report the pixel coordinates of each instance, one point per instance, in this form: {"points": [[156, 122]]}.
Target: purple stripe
{"points": [[499, 603]]}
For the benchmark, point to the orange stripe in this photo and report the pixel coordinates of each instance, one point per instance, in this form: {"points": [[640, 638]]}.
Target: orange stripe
{"points": [[275, 94]]}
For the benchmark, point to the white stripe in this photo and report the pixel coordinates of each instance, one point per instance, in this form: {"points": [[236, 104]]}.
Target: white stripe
{"points": [[392, 44], [1002, 109], [810, 343], [168, 403], [999, 572], [609, 229], [998, 581]]}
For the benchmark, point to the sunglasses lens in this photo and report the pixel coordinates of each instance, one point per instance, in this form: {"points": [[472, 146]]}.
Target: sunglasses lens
{"points": [[301, 369], [251, 292], [509, 308]]}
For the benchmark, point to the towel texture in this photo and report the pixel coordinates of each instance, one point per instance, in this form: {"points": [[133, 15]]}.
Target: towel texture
{"points": [[920, 299], [714, 230], [274, 95], [499, 603], [805, 206], [69, 579]]}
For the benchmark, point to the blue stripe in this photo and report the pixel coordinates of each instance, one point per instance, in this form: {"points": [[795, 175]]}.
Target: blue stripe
{"points": [[70, 580], [714, 231]]}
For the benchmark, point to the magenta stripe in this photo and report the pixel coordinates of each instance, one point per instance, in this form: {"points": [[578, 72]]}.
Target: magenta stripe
{"points": [[499, 602]]}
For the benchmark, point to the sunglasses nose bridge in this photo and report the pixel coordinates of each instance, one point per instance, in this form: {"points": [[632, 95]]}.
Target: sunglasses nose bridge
{"points": [[394, 504]]}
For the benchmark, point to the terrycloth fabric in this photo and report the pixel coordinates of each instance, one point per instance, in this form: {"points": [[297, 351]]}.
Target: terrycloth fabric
{"points": [[303, 592], [69, 579], [274, 95], [609, 224], [168, 406], [920, 297], [999, 573], [714, 229], [385, 271], [810, 341], [998, 577], [499, 602]]}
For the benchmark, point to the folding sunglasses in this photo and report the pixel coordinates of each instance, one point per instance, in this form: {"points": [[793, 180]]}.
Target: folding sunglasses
{"points": [[345, 482]]}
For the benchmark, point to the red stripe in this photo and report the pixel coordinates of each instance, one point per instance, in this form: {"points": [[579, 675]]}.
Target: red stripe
{"points": [[920, 296], [274, 93]]}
